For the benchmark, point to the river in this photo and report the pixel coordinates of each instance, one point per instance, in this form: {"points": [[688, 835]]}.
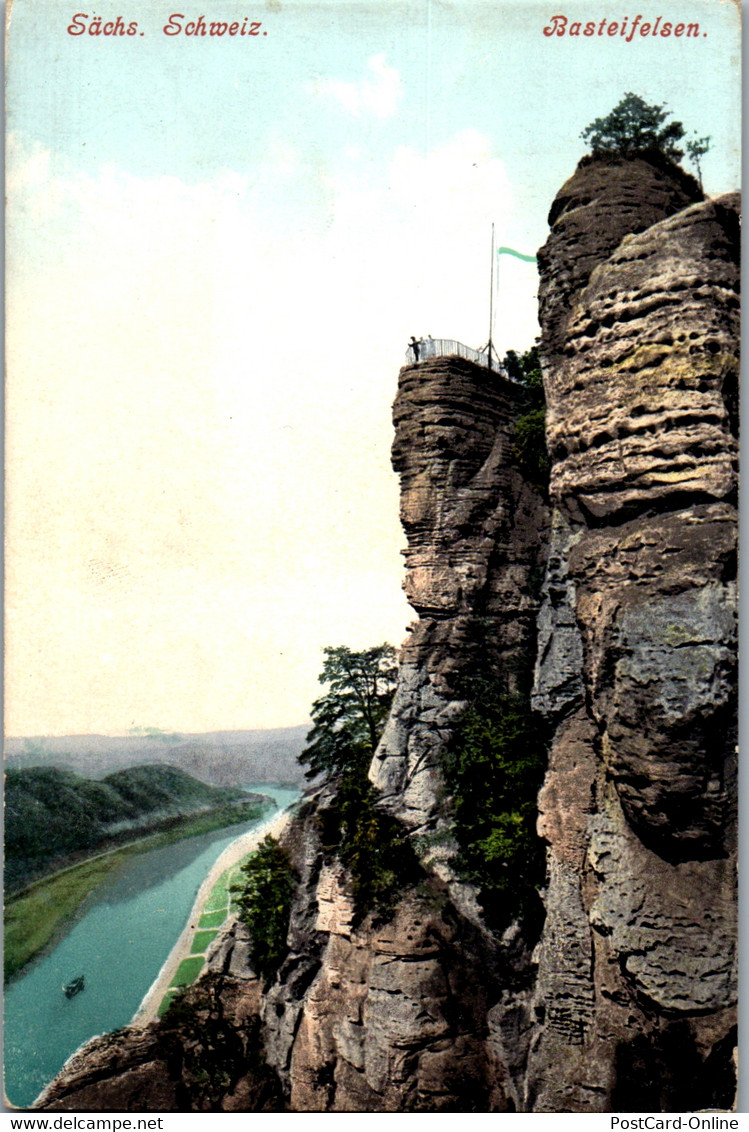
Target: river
{"points": [[120, 944]]}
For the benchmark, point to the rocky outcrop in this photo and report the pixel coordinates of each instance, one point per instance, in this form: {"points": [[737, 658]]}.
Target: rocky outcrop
{"points": [[385, 1015], [642, 407], [603, 201], [476, 553], [636, 986], [621, 587]]}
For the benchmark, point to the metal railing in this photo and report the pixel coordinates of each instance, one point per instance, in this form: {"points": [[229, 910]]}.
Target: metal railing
{"points": [[424, 348]]}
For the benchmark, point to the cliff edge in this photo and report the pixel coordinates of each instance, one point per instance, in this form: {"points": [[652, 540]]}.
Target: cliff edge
{"points": [[607, 605]]}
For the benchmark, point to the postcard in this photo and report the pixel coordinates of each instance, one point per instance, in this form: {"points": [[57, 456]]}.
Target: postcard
{"points": [[371, 694]]}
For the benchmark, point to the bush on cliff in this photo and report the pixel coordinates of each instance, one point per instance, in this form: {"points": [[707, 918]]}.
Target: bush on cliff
{"points": [[372, 844], [264, 901], [493, 769], [348, 721], [529, 437], [634, 128]]}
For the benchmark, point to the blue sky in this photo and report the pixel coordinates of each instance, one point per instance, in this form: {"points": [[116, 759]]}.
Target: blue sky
{"points": [[186, 107], [217, 252]]}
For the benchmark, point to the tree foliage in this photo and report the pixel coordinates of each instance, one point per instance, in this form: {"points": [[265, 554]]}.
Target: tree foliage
{"points": [[696, 150], [349, 718], [529, 440], [348, 721], [635, 126], [493, 768], [264, 901], [372, 844]]}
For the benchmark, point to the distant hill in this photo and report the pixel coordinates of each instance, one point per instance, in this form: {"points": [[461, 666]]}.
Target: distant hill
{"points": [[51, 814], [223, 758]]}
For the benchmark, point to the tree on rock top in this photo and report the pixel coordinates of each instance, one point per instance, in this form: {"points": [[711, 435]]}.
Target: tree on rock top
{"points": [[632, 127], [349, 718]]}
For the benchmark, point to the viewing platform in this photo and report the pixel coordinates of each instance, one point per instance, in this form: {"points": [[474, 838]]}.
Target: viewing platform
{"points": [[419, 350]]}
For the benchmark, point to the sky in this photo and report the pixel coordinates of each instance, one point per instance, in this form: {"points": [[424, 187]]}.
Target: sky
{"points": [[217, 250]]}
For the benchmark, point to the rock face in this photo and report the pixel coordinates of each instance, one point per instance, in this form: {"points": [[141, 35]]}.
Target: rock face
{"points": [[621, 587], [476, 552], [385, 1016], [636, 666], [602, 202]]}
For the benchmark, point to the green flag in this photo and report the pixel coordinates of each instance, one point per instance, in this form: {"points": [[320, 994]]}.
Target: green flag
{"points": [[519, 255]]}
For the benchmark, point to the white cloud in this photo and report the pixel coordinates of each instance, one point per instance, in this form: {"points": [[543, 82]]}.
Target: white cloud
{"points": [[417, 247], [193, 469], [378, 93], [199, 422]]}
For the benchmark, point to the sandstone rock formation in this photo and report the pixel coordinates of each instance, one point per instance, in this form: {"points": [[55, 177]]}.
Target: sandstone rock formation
{"points": [[625, 1001], [594, 210], [637, 653], [476, 546]]}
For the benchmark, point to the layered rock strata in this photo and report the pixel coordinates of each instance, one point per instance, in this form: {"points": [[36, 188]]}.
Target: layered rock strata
{"points": [[635, 994], [475, 556], [628, 1000], [381, 1015], [594, 210]]}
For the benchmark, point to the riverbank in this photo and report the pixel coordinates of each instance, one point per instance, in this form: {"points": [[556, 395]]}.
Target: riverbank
{"points": [[232, 855], [36, 917]]}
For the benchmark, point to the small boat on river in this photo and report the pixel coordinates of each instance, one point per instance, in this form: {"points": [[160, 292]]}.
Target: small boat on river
{"points": [[75, 986]]}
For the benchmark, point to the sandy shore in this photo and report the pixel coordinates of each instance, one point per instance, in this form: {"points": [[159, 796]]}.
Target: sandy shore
{"points": [[147, 1011]]}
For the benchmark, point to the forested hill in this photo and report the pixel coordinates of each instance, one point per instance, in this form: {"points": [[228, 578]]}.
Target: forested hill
{"points": [[51, 814], [224, 758]]}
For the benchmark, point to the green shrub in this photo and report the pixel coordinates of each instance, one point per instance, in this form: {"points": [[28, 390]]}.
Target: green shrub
{"points": [[529, 437], [493, 770], [636, 126], [348, 721], [264, 902], [373, 845], [529, 446]]}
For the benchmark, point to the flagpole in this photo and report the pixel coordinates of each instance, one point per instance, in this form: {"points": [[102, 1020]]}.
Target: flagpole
{"points": [[491, 302]]}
